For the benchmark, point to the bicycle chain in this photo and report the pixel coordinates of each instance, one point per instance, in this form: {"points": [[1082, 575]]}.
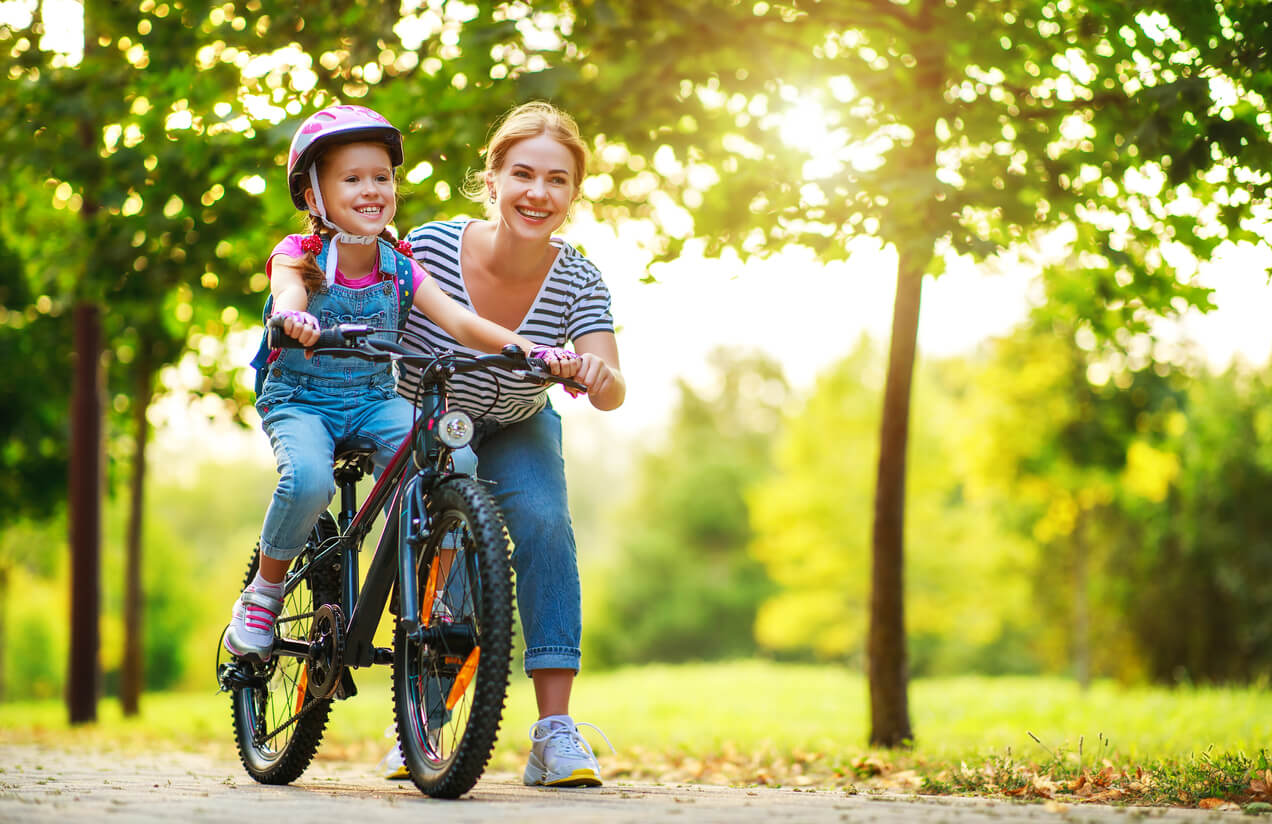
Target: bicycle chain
{"points": [[338, 661]]}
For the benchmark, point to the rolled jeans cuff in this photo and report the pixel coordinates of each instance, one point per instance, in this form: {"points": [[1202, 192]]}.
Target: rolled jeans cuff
{"points": [[552, 658], [278, 553]]}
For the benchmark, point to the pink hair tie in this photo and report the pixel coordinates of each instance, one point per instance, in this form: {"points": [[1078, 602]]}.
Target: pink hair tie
{"points": [[311, 244]]}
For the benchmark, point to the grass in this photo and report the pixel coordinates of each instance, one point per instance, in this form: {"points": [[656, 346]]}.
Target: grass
{"points": [[752, 722]]}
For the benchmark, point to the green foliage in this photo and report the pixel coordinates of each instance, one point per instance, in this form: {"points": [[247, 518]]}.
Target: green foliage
{"points": [[36, 637], [199, 537], [1139, 489], [967, 598], [683, 587], [1202, 537], [33, 401]]}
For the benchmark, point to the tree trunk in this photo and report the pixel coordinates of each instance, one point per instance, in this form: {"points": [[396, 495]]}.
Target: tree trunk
{"points": [[85, 516], [133, 675], [886, 652]]}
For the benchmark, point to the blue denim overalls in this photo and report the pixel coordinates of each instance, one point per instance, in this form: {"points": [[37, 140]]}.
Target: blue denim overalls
{"points": [[306, 406]]}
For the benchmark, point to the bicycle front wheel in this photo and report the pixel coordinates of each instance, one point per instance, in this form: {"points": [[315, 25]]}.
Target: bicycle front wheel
{"points": [[274, 748], [449, 688]]}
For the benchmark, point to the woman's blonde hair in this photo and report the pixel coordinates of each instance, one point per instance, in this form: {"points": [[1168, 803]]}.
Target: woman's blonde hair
{"points": [[520, 123]]}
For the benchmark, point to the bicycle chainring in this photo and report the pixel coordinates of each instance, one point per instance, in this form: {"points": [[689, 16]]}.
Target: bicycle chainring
{"points": [[327, 640]]}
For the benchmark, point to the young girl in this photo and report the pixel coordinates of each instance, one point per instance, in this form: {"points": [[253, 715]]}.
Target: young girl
{"points": [[510, 269], [341, 169]]}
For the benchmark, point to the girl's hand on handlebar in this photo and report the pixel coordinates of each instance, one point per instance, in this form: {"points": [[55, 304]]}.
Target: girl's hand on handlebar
{"points": [[300, 325]]}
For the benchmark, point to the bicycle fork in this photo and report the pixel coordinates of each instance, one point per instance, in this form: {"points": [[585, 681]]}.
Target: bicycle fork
{"points": [[412, 529]]}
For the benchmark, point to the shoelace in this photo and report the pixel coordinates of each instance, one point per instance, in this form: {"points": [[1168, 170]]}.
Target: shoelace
{"points": [[573, 743], [259, 619]]}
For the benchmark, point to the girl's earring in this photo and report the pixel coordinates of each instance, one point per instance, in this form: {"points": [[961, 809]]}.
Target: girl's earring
{"points": [[492, 196]]}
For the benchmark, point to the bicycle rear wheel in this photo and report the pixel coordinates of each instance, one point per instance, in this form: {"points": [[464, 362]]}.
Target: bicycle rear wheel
{"points": [[449, 694], [279, 686]]}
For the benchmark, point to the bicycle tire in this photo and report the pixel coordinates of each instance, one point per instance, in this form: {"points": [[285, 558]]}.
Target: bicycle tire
{"points": [[262, 708], [447, 733]]}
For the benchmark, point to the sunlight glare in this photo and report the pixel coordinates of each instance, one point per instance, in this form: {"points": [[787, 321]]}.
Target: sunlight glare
{"points": [[63, 22], [805, 127]]}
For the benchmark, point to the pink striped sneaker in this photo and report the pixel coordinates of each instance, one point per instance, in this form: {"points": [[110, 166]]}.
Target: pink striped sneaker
{"points": [[251, 630]]}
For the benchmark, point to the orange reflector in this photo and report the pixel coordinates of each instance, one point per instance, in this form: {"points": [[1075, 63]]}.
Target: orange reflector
{"points": [[464, 678], [301, 685], [430, 593]]}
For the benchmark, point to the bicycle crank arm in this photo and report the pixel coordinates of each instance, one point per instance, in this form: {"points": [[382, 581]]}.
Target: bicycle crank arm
{"points": [[293, 647]]}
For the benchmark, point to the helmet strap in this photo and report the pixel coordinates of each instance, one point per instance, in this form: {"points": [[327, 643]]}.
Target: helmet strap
{"points": [[341, 236]]}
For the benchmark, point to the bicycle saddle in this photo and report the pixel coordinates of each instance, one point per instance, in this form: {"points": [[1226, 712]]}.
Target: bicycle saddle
{"points": [[353, 456]]}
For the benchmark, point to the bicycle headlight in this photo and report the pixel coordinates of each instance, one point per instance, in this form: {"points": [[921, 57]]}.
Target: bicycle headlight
{"points": [[455, 429]]}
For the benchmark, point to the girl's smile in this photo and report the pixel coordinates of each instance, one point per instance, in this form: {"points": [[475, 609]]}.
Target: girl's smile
{"points": [[357, 187]]}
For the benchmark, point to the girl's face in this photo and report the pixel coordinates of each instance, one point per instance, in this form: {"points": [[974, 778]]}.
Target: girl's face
{"points": [[535, 187], [357, 187]]}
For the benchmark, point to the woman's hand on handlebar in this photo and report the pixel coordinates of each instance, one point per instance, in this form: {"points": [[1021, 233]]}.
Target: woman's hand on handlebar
{"points": [[599, 378], [562, 363]]}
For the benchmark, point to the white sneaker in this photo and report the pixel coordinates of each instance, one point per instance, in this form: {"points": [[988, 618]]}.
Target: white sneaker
{"points": [[560, 757], [251, 630], [393, 765]]}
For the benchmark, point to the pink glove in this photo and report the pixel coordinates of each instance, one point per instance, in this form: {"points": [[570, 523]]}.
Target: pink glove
{"points": [[553, 353], [302, 318]]}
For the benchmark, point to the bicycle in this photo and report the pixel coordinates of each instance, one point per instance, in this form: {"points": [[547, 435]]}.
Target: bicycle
{"points": [[441, 566]]}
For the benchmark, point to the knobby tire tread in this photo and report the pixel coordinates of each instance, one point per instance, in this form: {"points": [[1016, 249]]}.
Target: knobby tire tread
{"points": [[306, 734], [495, 608]]}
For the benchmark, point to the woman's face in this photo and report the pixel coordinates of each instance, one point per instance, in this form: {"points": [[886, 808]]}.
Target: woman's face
{"points": [[535, 187]]}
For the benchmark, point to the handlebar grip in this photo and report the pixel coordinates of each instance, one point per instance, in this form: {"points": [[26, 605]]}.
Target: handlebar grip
{"points": [[540, 366], [276, 338], [330, 338]]}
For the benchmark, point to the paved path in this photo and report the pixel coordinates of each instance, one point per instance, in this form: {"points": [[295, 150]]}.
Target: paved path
{"points": [[45, 785]]}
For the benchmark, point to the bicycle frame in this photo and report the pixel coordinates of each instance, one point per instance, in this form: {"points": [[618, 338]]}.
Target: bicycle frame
{"points": [[401, 495], [398, 492]]}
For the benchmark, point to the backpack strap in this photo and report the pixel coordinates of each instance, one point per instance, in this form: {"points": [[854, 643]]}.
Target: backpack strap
{"points": [[260, 362], [392, 260]]}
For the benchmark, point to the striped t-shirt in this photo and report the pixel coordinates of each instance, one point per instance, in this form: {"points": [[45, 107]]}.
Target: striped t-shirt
{"points": [[572, 302]]}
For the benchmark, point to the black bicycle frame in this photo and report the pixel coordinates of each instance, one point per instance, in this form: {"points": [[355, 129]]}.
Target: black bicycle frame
{"points": [[403, 492]]}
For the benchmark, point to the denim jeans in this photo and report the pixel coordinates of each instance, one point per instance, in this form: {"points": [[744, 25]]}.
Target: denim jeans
{"points": [[304, 416], [523, 460]]}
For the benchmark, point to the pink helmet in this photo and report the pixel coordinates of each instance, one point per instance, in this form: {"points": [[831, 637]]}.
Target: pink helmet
{"points": [[332, 125]]}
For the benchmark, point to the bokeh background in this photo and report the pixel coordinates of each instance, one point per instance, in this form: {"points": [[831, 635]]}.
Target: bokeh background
{"points": [[1076, 190]]}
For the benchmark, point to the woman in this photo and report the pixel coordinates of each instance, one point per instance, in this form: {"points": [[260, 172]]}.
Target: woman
{"points": [[508, 268]]}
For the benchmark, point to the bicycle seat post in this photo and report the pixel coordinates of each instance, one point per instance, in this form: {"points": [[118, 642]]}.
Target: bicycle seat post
{"points": [[352, 461]]}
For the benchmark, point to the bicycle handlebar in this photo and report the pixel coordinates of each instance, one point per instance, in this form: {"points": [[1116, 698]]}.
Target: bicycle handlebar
{"points": [[353, 340]]}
